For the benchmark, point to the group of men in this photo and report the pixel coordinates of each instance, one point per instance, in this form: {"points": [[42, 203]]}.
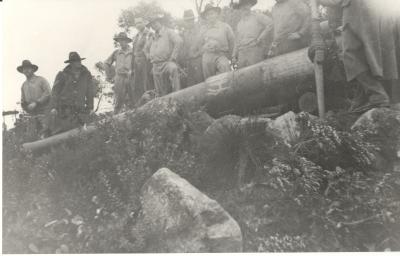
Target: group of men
{"points": [[166, 61]]}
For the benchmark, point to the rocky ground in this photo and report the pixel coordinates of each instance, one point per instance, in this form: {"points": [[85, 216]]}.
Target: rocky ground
{"points": [[171, 179]]}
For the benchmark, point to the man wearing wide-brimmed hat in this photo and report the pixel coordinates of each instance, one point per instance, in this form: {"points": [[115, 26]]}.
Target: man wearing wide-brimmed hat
{"points": [[190, 57], [217, 41], [35, 95], [292, 24], [35, 91], [123, 59], [72, 95], [163, 53], [142, 66], [253, 35]]}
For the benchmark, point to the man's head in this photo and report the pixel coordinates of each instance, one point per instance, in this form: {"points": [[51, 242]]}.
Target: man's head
{"points": [[211, 13], [188, 19], [27, 68], [74, 60], [76, 64], [123, 40], [140, 24], [156, 25]]}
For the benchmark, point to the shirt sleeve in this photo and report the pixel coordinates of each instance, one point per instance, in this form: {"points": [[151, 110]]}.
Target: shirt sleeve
{"points": [[57, 87], [231, 38], [44, 85], [110, 60], [177, 42], [305, 13], [24, 104], [267, 23]]}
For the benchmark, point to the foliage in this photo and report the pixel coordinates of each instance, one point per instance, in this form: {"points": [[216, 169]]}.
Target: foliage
{"points": [[320, 194], [144, 10], [94, 181]]}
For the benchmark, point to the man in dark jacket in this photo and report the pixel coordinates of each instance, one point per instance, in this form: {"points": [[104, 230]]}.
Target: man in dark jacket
{"points": [[190, 57], [370, 42], [72, 95]]}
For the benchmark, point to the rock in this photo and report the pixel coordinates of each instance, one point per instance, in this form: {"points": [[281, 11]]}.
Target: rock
{"points": [[178, 218], [287, 126], [383, 128], [369, 118]]}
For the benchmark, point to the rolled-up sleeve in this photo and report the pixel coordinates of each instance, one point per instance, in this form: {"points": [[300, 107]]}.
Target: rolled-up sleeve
{"points": [[45, 87]]}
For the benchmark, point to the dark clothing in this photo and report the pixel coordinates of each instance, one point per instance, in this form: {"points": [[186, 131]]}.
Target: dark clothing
{"points": [[141, 66], [74, 90], [371, 39], [72, 97], [191, 59]]}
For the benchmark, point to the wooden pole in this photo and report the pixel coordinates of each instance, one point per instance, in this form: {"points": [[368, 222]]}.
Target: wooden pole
{"points": [[318, 58]]}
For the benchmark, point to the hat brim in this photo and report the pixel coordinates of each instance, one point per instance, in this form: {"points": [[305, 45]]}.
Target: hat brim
{"points": [[122, 39], [69, 61], [189, 18], [217, 9], [34, 67], [252, 3]]}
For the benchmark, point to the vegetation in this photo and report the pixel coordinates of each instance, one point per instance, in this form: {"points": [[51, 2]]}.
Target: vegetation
{"points": [[321, 193]]}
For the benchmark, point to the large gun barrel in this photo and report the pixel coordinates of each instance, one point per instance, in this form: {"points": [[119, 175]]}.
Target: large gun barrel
{"points": [[267, 83]]}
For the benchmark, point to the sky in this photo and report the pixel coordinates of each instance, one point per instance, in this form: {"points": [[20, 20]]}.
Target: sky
{"points": [[45, 31]]}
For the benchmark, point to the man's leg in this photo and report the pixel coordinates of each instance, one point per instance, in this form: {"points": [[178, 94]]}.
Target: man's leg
{"points": [[209, 65], [373, 90], [158, 82], [173, 74], [120, 93], [223, 64]]}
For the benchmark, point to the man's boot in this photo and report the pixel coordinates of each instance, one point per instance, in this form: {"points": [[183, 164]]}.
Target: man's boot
{"points": [[374, 90]]}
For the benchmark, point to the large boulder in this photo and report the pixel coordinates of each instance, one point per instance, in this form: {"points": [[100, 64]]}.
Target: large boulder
{"points": [[382, 126], [178, 218]]}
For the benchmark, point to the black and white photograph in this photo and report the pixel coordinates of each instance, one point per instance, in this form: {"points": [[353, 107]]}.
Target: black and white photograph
{"points": [[200, 126]]}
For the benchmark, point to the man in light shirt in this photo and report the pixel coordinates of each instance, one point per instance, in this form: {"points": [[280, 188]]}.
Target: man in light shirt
{"points": [[163, 53], [123, 59]]}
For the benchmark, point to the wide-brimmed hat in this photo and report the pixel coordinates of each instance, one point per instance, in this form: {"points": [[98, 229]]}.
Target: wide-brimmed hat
{"points": [[27, 63], [243, 2], [188, 15], [140, 19], [209, 7], [73, 56], [122, 36]]}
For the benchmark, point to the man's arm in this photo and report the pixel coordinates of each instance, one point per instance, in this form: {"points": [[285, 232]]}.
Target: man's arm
{"points": [[231, 38], [24, 104], [305, 13], [44, 85], [57, 87], [267, 23], [177, 42], [90, 92]]}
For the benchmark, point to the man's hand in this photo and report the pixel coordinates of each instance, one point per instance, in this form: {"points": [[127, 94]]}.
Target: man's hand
{"points": [[32, 106], [294, 36], [53, 111], [272, 50]]}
